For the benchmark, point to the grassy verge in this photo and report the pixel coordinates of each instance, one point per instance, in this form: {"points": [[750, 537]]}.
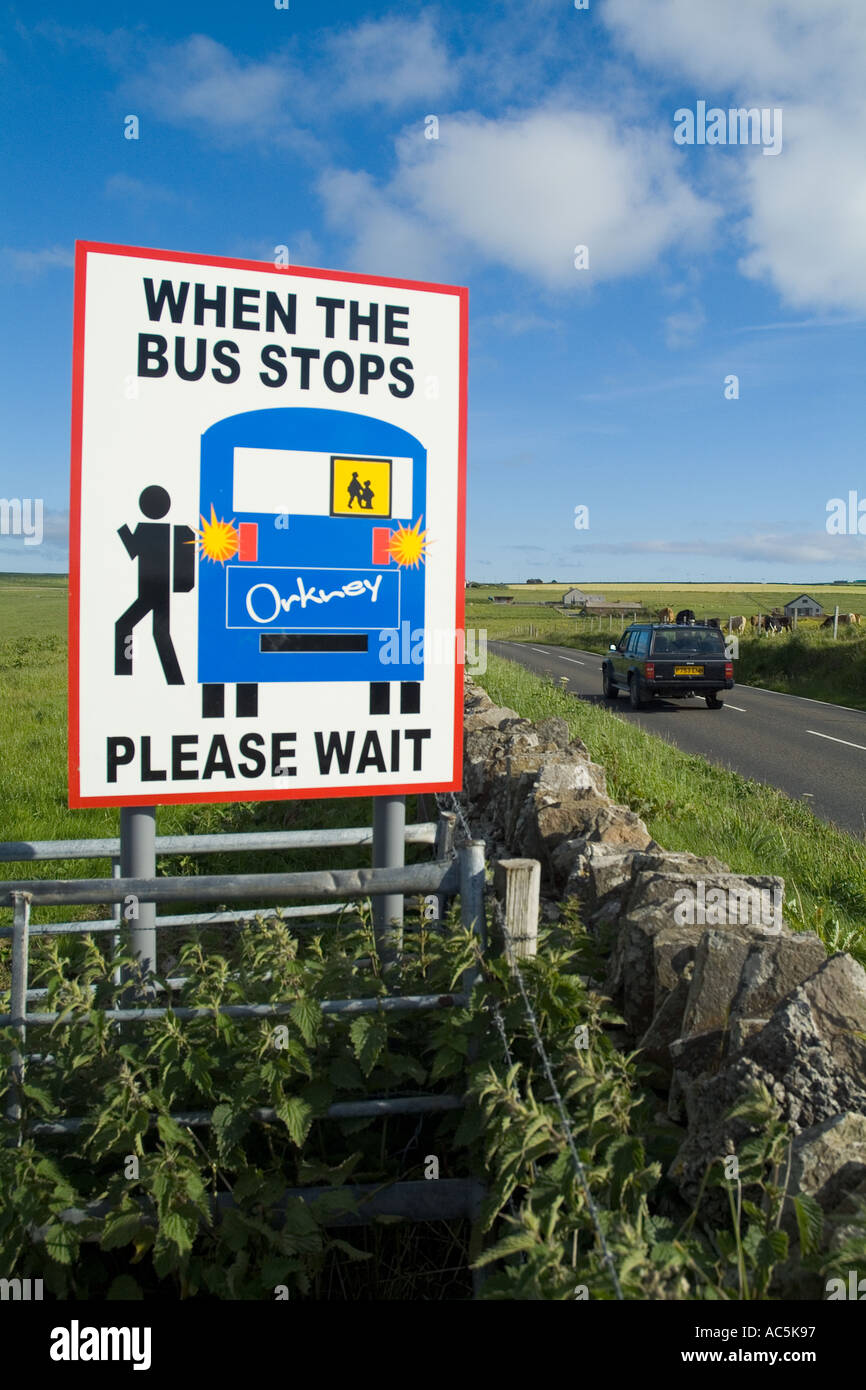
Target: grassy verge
{"points": [[688, 804], [810, 664]]}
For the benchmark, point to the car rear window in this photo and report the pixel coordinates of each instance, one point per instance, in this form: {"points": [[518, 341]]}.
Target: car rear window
{"points": [[689, 641]]}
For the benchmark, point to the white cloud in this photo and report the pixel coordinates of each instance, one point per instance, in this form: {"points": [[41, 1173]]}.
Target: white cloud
{"points": [[136, 190], [200, 80], [787, 47], [201, 84], [805, 222], [27, 264], [382, 237], [388, 62], [513, 323], [523, 192], [681, 329], [817, 548]]}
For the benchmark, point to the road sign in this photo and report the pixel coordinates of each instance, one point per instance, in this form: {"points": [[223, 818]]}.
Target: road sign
{"points": [[267, 531]]}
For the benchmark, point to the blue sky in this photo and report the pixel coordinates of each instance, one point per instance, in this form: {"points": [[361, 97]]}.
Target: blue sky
{"points": [[602, 386]]}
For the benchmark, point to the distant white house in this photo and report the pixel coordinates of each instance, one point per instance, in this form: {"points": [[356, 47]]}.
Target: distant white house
{"points": [[803, 607], [576, 598]]}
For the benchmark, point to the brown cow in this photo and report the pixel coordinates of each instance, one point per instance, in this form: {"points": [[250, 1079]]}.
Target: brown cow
{"points": [[845, 619], [666, 615], [737, 624]]}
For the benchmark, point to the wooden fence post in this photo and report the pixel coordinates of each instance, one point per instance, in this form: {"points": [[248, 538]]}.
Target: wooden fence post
{"points": [[517, 886]]}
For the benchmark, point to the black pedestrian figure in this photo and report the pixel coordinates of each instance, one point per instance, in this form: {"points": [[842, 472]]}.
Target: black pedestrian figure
{"points": [[151, 544], [354, 491], [367, 496]]}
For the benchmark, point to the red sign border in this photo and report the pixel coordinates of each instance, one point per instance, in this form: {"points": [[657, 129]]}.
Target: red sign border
{"points": [[76, 800]]}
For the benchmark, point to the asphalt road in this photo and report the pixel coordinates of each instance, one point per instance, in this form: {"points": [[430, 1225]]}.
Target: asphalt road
{"points": [[812, 751]]}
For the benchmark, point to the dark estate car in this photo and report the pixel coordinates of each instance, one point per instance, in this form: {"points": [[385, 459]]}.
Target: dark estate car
{"points": [[673, 660]]}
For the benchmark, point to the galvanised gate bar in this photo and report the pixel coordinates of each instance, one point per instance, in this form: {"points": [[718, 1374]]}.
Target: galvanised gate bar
{"points": [[459, 874]]}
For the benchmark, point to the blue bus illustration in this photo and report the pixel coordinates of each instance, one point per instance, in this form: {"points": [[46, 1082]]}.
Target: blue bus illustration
{"points": [[312, 556]]}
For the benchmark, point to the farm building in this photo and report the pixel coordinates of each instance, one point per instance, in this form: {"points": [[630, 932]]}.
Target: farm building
{"points": [[501, 598], [576, 598], [803, 607]]}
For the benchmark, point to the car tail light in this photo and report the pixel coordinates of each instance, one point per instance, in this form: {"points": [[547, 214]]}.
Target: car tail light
{"points": [[650, 670], [248, 540], [729, 670], [381, 542]]}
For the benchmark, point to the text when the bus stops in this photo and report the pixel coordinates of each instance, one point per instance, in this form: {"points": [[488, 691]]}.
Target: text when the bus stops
{"points": [[276, 313]]}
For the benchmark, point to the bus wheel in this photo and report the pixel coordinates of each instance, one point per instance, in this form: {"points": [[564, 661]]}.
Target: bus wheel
{"points": [[410, 697], [247, 701], [213, 701]]}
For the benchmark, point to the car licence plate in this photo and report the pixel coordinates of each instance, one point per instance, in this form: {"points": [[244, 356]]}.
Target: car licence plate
{"points": [[688, 670]]}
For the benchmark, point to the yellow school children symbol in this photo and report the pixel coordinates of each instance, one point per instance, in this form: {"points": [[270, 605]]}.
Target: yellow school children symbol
{"points": [[360, 487]]}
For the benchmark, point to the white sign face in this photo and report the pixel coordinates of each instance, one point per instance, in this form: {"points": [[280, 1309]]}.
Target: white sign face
{"points": [[268, 514]]}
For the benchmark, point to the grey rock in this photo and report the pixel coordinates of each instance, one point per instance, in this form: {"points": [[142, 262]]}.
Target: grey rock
{"points": [[554, 732], [667, 1023], [810, 1055], [663, 861], [773, 967], [828, 1161], [631, 974], [742, 1029], [719, 962], [814, 1045], [492, 717]]}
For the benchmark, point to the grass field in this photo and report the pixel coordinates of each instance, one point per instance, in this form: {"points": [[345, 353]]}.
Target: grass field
{"points": [[688, 804], [806, 662]]}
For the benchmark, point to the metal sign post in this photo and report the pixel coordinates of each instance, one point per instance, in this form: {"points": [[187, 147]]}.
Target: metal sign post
{"points": [[389, 849], [138, 860]]}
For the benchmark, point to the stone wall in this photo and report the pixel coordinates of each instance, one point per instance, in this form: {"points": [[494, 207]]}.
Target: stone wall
{"points": [[716, 1000]]}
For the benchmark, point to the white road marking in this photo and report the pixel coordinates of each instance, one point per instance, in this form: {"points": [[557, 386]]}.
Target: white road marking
{"points": [[738, 708], [846, 741], [573, 660], [828, 704], [539, 649]]}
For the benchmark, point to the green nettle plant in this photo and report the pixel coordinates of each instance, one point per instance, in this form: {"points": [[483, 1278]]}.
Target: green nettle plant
{"points": [[136, 1203]]}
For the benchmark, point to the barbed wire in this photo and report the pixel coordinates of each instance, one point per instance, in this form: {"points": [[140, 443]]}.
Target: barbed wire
{"points": [[447, 801], [579, 1170]]}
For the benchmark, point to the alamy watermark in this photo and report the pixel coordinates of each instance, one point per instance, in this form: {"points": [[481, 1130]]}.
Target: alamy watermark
{"points": [[741, 906], [21, 1290], [853, 1291], [737, 126], [845, 518], [22, 516], [77, 1343], [408, 646]]}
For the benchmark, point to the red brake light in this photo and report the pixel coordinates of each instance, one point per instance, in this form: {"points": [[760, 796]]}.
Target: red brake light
{"points": [[381, 542], [248, 540], [729, 670], [650, 670]]}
